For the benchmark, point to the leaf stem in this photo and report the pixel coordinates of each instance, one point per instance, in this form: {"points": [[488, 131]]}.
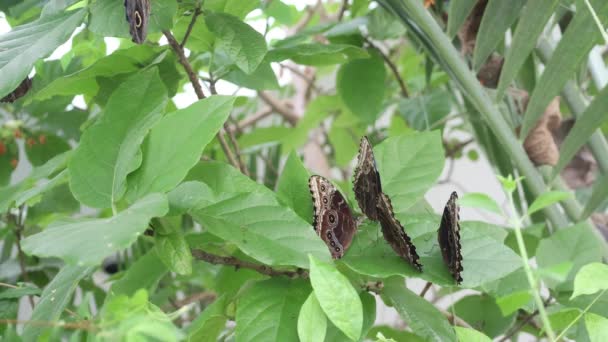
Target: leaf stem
{"points": [[580, 315], [597, 21], [516, 223]]}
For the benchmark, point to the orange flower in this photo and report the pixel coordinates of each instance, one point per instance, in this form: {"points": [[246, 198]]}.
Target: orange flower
{"points": [[18, 133], [14, 163], [429, 3], [42, 139], [30, 142]]}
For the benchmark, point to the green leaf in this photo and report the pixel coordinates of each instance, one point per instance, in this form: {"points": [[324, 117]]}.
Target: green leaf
{"points": [[189, 196], [479, 200], [597, 327], [23, 289], [145, 273], [98, 171], [317, 54], [393, 333], [409, 165], [498, 16], [546, 199], [190, 129], [337, 298], [88, 242], [55, 297], [420, 315], [458, 13], [577, 244], [590, 279], [360, 84], [425, 110], [25, 44], [580, 36], [263, 78], [245, 46], [482, 311], [210, 323], [238, 8], [268, 311], [470, 335], [584, 126], [531, 23], [292, 187], [247, 213], [173, 250], [39, 148], [598, 196], [312, 322], [344, 137]]}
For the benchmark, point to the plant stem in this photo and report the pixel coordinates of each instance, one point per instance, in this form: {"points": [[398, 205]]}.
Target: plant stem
{"points": [[531, 278], [413, 11], [580, 315]]}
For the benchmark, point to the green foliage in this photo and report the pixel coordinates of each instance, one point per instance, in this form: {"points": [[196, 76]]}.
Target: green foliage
{"points": [[199, 210]]}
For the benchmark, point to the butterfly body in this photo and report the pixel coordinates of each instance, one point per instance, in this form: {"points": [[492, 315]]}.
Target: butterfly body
{"points": [[333, 219], [377, 206], [449, 238], [138, 16]]}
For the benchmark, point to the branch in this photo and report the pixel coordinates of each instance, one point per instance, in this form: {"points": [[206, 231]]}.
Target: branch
{"points": [[426, 289], [279, 107], [179, 51], [252, 119], [343, 9], [391, 66], [18, 220], [260, 268], [455, 320], [197, 12]]}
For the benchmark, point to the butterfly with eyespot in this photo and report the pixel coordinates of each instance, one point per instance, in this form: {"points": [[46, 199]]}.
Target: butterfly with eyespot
{"points": [[377, 206], [138, 16], [448, 236], [333, 219]]}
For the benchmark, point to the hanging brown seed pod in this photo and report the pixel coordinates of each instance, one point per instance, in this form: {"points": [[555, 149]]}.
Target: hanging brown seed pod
{"points": [[20, 91], [138, 16]]}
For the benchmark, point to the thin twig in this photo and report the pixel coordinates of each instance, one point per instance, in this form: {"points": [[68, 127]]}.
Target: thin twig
{"points": [[426, 289], [84, 325], [391, 65], [451, 151], [19, 228], [260, 268], [308, 80], [343, 9], [9, 286], [279, 107], [197, 12], [519, 326], [455, 320], [184, 62], [252, 119]]}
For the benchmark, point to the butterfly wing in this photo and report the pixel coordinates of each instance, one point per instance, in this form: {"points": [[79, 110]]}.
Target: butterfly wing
{"points": [[138, 16], [449, 238], [333, 219], [366, 183], [394, 233]]}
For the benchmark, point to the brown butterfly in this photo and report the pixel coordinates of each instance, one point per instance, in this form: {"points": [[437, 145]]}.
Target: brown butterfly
{"points": [[377, 206], [138, 16], [449, 237], [20, 91], [333, 220]]}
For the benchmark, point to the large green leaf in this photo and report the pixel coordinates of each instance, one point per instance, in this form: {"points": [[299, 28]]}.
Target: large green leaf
{"points": [[458, 13], [87, 81], [409, 165], [590, 279], [245, 46], [100, 164], [176, 143], [531, 23], [497, 18], [24, 45], [482, 311], [268, 311], [312, 322], [580, 36], [337, 298], [425, 110], [173, 249], [360, 84], [470, 335], [55, 297], [238, 8], [292, 187], [597, 327], [87, 242], [210, 323], [424, 318], [317, 54], [248, 214], [576, 244], [584, 126], [189, 196]]}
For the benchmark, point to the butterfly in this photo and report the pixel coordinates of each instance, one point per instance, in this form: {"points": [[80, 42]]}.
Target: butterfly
{"points": [[448, 236], [19, 92], [333, 219], [377, 206], [138, 15]]}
